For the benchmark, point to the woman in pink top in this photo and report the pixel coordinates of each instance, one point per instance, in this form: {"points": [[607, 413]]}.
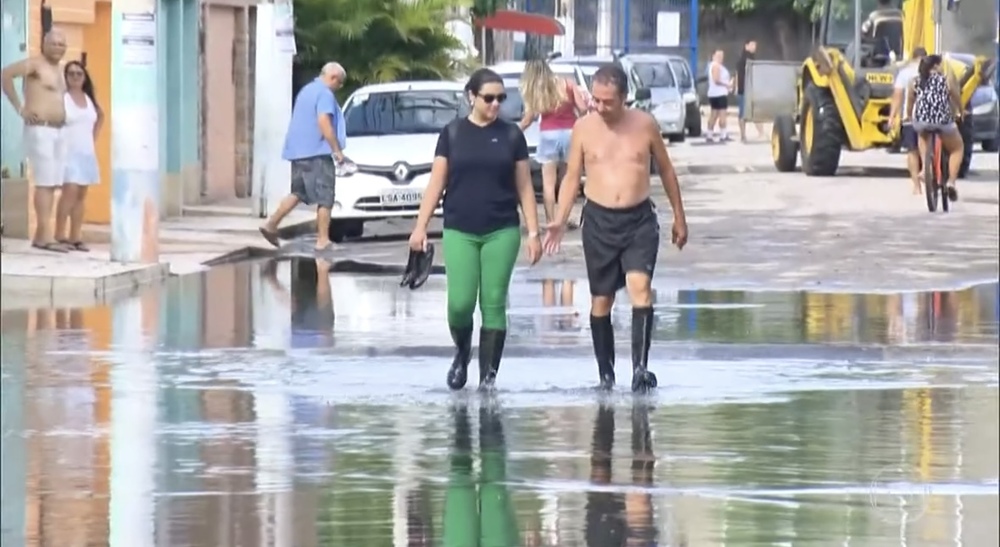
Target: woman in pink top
{"points": [[559, 102]]}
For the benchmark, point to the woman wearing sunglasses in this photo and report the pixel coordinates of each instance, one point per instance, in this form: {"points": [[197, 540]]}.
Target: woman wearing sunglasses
{"points": [[84, 119], [482, 162]]}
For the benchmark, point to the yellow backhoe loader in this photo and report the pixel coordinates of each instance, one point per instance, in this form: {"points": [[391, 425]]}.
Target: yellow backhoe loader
{"points": [[843, 91]]}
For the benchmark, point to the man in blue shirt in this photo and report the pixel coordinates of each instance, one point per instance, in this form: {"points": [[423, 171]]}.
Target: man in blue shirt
{"points": [[314, 145]]}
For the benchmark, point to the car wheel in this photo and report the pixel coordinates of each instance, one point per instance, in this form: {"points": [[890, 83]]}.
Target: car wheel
{"points": [[343, 229], [677, 138], [991, 145]]}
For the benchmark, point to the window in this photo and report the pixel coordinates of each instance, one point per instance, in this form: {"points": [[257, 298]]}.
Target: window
{"points": [[682, 72], [403, 112], [513, 108], [655, 75]]}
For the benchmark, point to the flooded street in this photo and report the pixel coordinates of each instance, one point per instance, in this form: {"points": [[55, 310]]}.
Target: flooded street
{"points": [[273, 403]]}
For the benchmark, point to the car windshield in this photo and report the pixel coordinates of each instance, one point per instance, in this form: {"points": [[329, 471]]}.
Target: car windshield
{"points": [[403, 112], [513, 108], [588, 73], [653, 74], [683, 74]]}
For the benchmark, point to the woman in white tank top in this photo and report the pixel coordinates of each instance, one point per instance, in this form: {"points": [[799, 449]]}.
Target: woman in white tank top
{"points": [[83, 121], [720, 85]]}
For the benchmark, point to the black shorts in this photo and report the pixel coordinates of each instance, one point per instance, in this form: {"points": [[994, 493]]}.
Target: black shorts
{"points": [[907, 137], [718, 103], [616, 242], [313, 180]]}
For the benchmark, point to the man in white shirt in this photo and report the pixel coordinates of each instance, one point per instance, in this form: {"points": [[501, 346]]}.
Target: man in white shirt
{"points": [[907, 136]]}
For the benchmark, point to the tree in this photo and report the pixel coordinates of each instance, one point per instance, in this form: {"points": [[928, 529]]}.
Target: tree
{"points": [[376, 40]]}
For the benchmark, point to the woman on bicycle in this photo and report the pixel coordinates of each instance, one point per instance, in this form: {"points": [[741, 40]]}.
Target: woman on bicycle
{"points": [[557, 102], [934, 105]]}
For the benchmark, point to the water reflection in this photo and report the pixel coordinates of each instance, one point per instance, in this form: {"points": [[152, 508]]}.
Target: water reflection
{"points": [[479, 512], [233, 409], [616, 518]]}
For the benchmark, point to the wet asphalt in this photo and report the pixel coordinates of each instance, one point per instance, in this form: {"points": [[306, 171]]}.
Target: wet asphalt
{"points": [[276, 403]]}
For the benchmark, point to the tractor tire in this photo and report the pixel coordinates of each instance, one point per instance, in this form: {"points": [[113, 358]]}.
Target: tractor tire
{"points": [[821, 133], [784, 147]]}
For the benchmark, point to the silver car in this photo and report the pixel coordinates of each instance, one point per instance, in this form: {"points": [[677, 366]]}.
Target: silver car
{"points": [[656, 73], [689, 92]]}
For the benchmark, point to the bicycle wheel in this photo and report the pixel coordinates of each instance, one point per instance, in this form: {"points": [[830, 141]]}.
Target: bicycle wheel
{"points": [[931, 169]]}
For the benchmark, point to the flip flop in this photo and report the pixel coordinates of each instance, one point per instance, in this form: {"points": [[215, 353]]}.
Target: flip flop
{"points": [[323, 249], [271, 236], [74, 245], [423, 263], [52, 247]]}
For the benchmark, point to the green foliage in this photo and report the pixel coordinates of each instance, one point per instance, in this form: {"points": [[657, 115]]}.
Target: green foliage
{"points": [[486, 7], [376, 40], [812, 8]]}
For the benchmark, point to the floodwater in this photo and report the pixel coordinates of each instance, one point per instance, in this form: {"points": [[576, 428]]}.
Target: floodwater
{"points": [[271, 404]]}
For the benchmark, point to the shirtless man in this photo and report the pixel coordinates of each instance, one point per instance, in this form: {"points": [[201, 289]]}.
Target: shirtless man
{"points": [[44, 115], [620, 232]]}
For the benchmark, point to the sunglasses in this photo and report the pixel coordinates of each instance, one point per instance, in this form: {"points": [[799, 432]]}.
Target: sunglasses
{"points": [[488, 99]]}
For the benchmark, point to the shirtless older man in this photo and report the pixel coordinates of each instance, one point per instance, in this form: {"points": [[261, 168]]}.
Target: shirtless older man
{"points": [[44, 115], [620, 231]]}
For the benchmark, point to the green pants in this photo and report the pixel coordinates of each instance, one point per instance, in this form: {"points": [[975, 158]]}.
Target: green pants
{"points": [[479, 267], [483, 516]]}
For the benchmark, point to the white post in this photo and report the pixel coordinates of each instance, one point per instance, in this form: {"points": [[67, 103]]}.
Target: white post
{"points": [[133, 432], [135, 156], [272, 111]]}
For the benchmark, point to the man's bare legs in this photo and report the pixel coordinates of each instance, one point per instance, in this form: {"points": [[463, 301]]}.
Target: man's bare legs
{"points": [[270, 227], [63, 207], [44, 200], [322, 228], [639, 287], [743, 130]]}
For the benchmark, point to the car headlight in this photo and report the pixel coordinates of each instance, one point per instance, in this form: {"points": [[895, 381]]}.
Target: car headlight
{"points": [[346, 169], [690, 97], [984, 109]]}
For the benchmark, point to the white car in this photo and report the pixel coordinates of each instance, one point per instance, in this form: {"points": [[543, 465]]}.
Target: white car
{"points": [[392, 130]]}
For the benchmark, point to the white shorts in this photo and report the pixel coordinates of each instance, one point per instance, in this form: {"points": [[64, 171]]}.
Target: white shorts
{"points": [[45, 151]]}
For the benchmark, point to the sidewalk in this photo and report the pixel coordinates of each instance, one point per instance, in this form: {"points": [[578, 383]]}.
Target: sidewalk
{"points": [[207, 235]]}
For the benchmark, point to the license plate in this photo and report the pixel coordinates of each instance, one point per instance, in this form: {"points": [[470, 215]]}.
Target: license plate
{"points": [[402, 197]]}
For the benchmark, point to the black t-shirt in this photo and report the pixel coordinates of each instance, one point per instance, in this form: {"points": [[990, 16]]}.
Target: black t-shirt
{"points": [[741, 71], [481, 192]]}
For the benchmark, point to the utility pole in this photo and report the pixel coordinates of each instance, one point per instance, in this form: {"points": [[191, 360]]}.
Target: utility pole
{"points": [[135, 132]]}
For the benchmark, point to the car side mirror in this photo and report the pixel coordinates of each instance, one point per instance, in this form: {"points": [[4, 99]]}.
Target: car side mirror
{"points": [[643, 94]]}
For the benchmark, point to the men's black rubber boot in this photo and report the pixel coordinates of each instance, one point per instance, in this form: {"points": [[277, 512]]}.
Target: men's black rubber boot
{"points": [[642, 332], [491, 343], [458, 374], [603, 335]]}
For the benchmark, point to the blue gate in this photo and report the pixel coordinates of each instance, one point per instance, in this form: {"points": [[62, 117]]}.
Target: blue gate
{"points": [[631, 26]]}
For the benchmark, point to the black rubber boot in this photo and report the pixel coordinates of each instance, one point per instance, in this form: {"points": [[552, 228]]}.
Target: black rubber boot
{"points": [[458, 374], [603, 335], [642, 332], [491, 343]]}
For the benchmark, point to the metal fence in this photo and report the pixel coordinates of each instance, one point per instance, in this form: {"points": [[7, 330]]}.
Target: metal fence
{"points": [[632, 26]]}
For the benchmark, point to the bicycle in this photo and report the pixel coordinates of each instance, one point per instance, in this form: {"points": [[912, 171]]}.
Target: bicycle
{"points": [[935, 170]]}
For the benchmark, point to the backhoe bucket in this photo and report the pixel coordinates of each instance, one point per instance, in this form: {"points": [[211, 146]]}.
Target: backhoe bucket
{"points": [[775, 92]]}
